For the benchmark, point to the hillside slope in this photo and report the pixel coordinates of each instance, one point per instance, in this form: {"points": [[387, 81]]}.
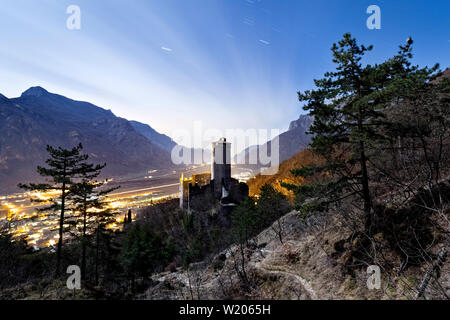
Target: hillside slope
{"points": [[284, 174], [308, 265], [161, 140]]}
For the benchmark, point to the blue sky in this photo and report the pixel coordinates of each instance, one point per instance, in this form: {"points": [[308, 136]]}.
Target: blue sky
{"points": [[228, 63]]}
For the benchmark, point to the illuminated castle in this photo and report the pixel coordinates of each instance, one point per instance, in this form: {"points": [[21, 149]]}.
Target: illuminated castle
{"points": [[216, 186]]}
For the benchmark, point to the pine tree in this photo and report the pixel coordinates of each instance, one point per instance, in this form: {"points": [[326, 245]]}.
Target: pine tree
{"points": [[66, 168], [271, 206], [63, 167], [143, 251], [347, 106], [91, 212], [244, 223]]}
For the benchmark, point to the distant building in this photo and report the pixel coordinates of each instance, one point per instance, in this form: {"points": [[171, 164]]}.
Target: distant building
{"points": [[217, 185]]}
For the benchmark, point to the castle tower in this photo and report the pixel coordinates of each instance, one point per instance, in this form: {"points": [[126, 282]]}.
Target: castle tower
{"points": [[220, 166]]}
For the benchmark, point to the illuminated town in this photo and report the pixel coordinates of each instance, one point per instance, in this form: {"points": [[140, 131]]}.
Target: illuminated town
{"points": [[39, 229]]}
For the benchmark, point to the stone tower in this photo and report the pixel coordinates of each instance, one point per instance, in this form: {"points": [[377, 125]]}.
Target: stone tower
{"points": [[221, 166]]}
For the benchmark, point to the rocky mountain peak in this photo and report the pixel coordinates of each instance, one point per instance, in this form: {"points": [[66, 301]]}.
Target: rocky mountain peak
{"points": [[35, 92], [304, 121]]}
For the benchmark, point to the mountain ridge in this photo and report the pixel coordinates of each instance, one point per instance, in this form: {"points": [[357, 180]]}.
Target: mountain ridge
{"points": [[159, 139], [295, 139], [37, 118]]}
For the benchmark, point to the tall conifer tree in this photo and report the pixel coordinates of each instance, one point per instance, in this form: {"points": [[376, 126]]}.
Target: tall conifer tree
{"points": [[347, 106], [91, 212], [63, 169]]}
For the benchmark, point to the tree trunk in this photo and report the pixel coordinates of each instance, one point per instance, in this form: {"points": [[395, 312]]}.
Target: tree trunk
{"points": [[61, 224], [365, 178], [366, 191]]}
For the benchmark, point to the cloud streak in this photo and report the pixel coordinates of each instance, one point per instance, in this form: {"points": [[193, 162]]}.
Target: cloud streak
{"points": [[169, 63]]}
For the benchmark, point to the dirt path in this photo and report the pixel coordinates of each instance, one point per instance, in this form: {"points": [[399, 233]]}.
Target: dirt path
{"points": [[304, 283], [273, 269]]}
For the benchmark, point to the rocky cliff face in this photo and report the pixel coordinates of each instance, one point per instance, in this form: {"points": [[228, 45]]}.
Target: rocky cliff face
{"points": [[303, 122], [290, 142]]}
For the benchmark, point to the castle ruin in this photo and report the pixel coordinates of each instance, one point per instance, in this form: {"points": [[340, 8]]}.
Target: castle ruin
{"points": [[218, 186]]}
